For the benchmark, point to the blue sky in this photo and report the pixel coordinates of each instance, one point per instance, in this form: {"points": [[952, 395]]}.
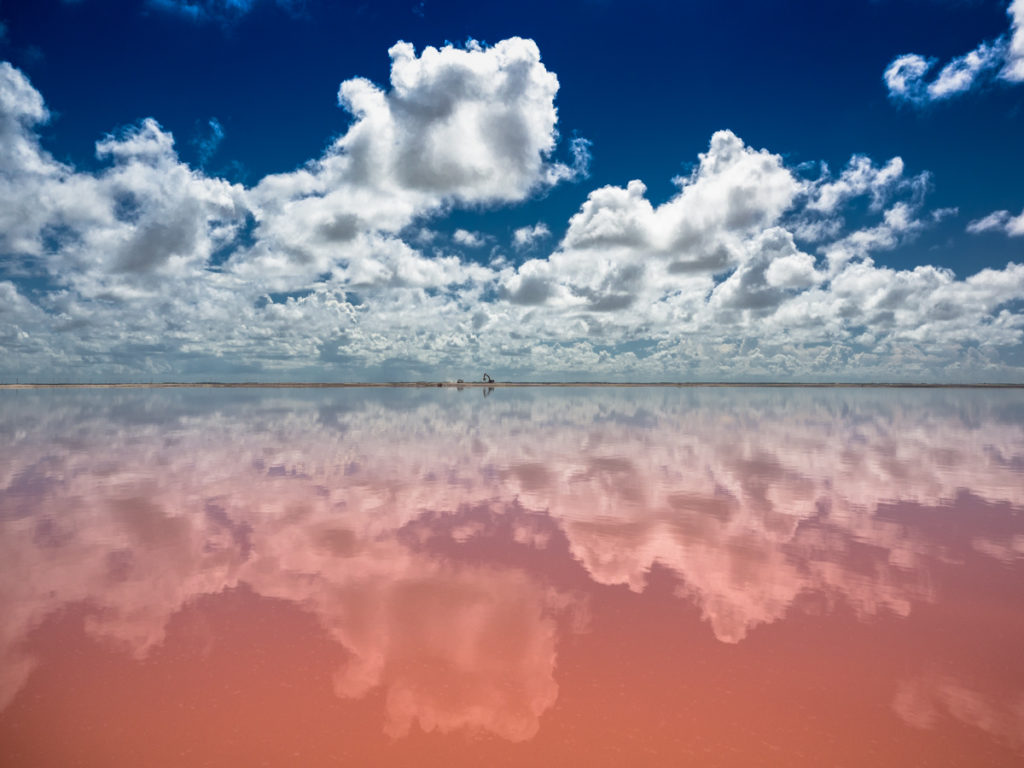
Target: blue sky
{"points": [[278, 190]]}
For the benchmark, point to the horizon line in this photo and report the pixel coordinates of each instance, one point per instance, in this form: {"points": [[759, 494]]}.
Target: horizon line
{"points": [[506, 384]]}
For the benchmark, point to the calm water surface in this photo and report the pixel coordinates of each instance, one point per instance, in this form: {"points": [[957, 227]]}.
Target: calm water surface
{"points": [[568, 577]]}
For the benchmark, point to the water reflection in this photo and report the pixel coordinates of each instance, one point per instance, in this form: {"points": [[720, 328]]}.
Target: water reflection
{"points": [[925, 702], [451, 546]]}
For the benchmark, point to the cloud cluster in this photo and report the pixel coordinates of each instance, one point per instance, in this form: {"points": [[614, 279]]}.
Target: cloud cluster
{"points": [[148, 267], [468, 127], [726, 257], [905, 77], [472, 126]]}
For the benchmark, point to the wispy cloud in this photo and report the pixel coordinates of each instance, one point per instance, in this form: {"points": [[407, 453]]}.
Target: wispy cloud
{"points": [[906, 75], [217, 10], [999, 221], [209, 143]]}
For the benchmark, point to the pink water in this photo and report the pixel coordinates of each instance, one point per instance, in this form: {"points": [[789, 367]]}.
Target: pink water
{"points": [[663, 577]]}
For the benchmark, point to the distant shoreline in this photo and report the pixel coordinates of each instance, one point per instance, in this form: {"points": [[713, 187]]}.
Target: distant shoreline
{"points": [[506, 384]]}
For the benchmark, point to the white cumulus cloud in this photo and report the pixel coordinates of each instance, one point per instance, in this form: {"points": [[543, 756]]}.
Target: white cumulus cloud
{"points": [[459, 126]]}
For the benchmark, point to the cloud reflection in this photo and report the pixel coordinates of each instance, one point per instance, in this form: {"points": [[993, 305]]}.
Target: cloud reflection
{"points": [[136, 503], [927, 701]]}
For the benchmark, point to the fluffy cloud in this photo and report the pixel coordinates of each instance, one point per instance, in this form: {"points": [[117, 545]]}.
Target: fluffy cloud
{"points": [[905, 75], [620, 250], [468, 239], [524, 237], [468, 127], [146, 214], [773, 267], [733, 190]]}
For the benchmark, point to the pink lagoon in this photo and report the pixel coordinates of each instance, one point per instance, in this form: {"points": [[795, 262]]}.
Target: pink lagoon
{"points": [[601, 577]]}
